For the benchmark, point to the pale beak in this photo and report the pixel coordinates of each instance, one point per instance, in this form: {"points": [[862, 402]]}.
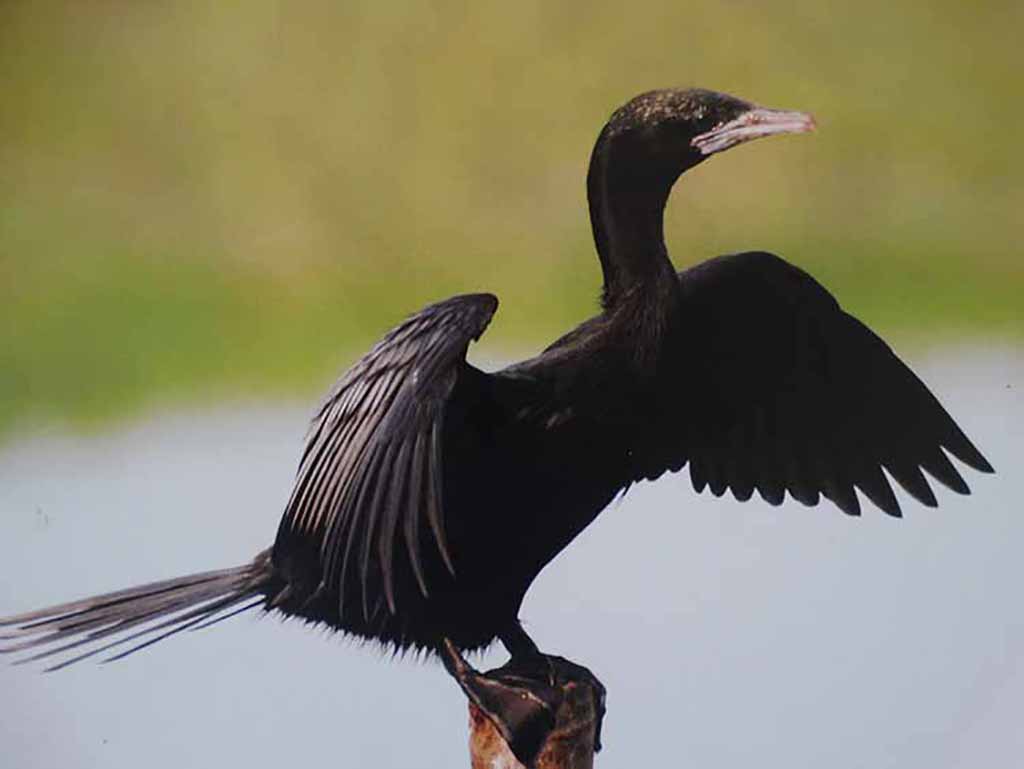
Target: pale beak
{"points": [[753, 124]]}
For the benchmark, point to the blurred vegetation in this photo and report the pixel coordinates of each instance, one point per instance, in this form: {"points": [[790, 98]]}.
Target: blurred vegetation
{"points": [[235, 198]]}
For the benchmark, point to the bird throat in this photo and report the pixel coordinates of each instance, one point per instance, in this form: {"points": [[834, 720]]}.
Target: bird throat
{"points": [[640, 285], [627, 210]]}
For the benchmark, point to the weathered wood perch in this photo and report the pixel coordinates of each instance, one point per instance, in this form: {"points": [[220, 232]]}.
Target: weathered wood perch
{"points": [[546, 714], [570, 744]]}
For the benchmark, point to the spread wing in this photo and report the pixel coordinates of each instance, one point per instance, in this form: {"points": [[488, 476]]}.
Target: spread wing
{"points": [[370, 475], [783, 391]]}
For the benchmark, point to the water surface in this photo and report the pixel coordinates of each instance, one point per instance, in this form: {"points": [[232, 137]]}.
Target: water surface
{"points": [[729, 635]]}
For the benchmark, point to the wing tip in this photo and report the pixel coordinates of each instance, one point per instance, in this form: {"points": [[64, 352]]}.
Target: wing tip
{"points": [[982, 465], [960, 446]]}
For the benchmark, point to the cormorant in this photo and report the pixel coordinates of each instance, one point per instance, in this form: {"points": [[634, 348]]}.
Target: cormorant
{"points": [[430, 494]]}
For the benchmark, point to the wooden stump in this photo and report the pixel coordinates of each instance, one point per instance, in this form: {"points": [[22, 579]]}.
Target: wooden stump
{"points": [[575, 736]]}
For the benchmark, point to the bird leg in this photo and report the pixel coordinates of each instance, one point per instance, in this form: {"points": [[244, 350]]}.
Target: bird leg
{"points": [[526, 659], [522, 698]]}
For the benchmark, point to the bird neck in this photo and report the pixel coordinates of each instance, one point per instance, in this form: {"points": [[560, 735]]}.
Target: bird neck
{"points": [[627, 216]]}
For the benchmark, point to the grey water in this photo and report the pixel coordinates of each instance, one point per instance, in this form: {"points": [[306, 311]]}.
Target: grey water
{"points": [[729, 635]]}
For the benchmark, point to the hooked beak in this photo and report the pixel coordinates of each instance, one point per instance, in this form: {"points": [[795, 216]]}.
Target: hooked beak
{"points": [[752, 124]]}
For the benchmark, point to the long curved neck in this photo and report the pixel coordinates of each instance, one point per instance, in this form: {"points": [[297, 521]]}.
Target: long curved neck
{"points": [[627, 214]]}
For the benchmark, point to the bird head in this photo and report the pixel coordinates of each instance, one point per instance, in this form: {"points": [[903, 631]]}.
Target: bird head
{"points": [[663, 133]]}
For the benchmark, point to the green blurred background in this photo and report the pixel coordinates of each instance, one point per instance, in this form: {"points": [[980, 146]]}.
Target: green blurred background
{"points": [[206, 200]]}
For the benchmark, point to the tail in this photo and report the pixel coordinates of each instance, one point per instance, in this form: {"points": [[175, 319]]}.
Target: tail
{"points": [[162, 608]]}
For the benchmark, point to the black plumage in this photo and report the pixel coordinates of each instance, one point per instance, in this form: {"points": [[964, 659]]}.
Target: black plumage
{"points": [[430, 494]]}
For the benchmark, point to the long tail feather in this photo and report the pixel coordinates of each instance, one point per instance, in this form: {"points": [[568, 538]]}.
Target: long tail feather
{"points": [[104, 621]]}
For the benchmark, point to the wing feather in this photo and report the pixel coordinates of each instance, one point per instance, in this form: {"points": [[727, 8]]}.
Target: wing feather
{"points": [[411, 527], [782, 391], [389, 524], [372, 465]]}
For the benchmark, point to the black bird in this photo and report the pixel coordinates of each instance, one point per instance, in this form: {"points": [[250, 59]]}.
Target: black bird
{"points": [[430, 494]]}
